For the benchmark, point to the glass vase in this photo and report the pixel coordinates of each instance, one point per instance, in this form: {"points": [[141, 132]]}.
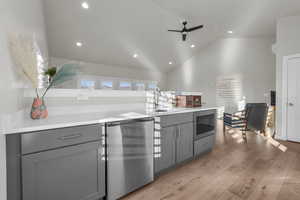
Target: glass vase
{"points": [[38, 109]]}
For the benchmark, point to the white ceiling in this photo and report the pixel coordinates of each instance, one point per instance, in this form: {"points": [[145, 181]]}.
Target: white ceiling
{"points": [[113, 30]]}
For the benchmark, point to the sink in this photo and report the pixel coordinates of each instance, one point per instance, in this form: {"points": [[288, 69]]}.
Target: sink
{"points": [[160, 110]]}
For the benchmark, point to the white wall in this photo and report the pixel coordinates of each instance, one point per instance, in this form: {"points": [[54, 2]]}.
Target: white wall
{"points": [[116, 71], [24, 17], [249, 61], [288, 43]]}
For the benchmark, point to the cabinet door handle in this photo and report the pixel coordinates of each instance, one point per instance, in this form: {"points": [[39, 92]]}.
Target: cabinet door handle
{"points": [[70, 137], [291, 104], [176, 133]]}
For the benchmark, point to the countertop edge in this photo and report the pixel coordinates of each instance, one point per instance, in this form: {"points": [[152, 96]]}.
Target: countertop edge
{"points": [[97, 121]]}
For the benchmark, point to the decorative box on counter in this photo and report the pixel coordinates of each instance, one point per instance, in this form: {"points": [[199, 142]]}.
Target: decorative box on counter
{"points": [[188, 99]]}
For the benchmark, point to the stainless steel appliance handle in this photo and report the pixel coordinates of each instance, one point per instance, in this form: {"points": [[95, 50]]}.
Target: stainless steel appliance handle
{"points": [[129, 121], [145, 120], [113, 124]]}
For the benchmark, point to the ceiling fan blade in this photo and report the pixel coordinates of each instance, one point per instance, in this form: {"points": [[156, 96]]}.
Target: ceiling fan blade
{"points": [[177, 31], [194, 28], [184, 37]]}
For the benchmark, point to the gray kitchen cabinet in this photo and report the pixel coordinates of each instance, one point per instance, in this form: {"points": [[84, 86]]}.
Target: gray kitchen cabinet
{"points": [[61, 164], [174, 120], [184, 147], [204, 145], [175, 141], [70, 173], [165, 157]]}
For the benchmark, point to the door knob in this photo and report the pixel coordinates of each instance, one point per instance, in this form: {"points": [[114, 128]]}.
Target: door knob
{"points": [[291, 104]]}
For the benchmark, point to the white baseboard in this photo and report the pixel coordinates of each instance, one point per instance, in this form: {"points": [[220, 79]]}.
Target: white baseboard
{"points": [[279, 137]]}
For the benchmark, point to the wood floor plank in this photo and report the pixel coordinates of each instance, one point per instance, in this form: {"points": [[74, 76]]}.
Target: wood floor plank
{"points": [[231, 175], [226, 195], [246, 184], [219, 184], [290, 191], [291, 187], [270, 186], [201, 187]]}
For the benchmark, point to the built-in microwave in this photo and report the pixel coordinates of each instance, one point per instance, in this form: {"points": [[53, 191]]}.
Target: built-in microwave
{"points": [[205, 124]]}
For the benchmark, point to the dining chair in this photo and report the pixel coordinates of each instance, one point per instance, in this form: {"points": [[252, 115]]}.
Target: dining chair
{"points": [[253, 118]]}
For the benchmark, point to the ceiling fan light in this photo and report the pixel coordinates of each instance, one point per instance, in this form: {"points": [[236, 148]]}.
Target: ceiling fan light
{"points": [[85, 5], [79, 44]]}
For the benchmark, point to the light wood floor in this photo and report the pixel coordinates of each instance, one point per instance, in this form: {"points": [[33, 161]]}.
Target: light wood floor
{"points": [[234, 170]]}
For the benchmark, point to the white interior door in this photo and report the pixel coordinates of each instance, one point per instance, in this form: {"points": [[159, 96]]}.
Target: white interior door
{"points": [[293, 100]]}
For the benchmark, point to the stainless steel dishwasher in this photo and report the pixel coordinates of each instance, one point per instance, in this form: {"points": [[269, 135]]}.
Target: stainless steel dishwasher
{"points": [[129, 156]]}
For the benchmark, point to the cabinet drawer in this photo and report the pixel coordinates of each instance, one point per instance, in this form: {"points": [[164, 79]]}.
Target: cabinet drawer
{"points": [[204, 144], [175, 119], [206, 112], [50, 139]]}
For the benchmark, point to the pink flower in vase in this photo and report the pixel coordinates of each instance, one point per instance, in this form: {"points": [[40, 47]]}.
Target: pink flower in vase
{"points": [[44, 114], [36, 114], [37, 102]]}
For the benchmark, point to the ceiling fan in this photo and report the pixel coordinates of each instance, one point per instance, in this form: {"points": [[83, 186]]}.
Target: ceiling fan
{"points": [[185, 30]]}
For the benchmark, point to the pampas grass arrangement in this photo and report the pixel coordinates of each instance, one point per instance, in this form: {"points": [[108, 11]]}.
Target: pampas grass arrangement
{"points": [[24, 55], [29, 62]]}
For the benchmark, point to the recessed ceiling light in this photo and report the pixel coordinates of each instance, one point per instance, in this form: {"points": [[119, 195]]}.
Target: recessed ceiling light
{"points": [[85, 5], [79, 44], [170, 63], [193, 46], [135, 55], [230, 32]]}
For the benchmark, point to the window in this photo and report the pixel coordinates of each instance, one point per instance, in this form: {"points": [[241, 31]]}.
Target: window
{"points": [[140, 86], [152, 86], [87, 84], [113, 83], [107, 85], [125, 85]]}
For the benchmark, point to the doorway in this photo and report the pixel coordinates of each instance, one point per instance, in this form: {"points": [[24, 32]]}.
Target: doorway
{"points": [[293, 99]]}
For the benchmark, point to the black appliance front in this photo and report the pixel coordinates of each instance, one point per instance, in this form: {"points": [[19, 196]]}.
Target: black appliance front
{"points": [[205, 124]]}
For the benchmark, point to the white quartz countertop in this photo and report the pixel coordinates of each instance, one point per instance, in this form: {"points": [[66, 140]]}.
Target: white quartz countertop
{"points": [[53, 122]]}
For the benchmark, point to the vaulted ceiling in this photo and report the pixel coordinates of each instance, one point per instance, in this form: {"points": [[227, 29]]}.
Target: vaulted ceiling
{"points": [[112, 31]]}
